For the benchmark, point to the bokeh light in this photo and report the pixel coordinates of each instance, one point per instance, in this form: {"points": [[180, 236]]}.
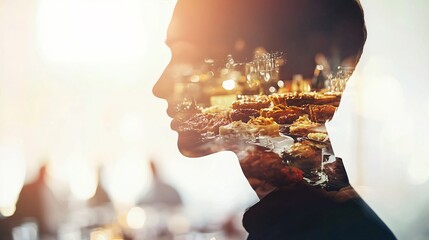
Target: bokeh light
{"points": [[82, 177], [12, 176], [228, 84], [127, 178], [7, 211], [136, 217]]}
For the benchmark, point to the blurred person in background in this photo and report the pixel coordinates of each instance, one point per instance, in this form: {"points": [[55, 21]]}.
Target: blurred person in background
{"points": [[164, 199], [100, 198], [160, 193], [37, 204], [301, 29]]}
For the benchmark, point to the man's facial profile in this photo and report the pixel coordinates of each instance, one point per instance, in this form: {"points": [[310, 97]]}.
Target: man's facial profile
{"points": [[260, 79]]}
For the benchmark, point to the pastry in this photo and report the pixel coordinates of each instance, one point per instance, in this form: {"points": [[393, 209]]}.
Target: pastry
{"points": [[252, 102], [303, 155], [244, 114], [224, 110], [267, 167], [302, 126], [236, 129], [320, 137], [321, 113], [203, 123], [293, 99], [264, 126], [304, 98], [282, 114]]}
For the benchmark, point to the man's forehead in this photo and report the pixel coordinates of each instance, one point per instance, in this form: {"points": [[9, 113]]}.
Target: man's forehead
{"points": [[190, 50]]}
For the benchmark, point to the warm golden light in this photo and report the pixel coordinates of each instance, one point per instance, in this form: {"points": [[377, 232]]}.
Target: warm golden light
{"points": [[7, 211], [101, 234], [128, 178], [136, 218], [229, 84], [195, 78], [82, 178]]}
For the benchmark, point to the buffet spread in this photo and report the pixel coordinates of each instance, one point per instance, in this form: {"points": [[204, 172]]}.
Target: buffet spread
{"points": [[279, 135]]}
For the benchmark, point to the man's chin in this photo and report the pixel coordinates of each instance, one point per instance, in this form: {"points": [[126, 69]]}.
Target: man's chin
{"points": [[194, 146]]}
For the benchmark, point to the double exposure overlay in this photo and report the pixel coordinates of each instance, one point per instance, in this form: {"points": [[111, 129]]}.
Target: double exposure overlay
{"points": [[262, 83]]}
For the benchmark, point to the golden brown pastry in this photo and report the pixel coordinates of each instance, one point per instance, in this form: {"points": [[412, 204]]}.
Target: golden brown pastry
{"points": [[264, 126], [252, 102], [302, 126], [244, 114], [321, 113], [320, 137], [293, 98], [203, 123], [264, 167], [304, 98], [282, 114], [236, 129], [303, 155]]}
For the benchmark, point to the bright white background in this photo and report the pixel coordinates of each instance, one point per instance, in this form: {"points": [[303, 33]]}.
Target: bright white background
{"points": [[75, 90]]}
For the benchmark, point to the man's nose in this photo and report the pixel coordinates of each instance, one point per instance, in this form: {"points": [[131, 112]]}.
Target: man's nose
{"points": [[163, 87]]}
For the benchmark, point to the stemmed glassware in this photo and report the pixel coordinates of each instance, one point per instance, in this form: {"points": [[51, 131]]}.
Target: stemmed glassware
{"points": [[263, 69], [318, 176], [337, 82]]}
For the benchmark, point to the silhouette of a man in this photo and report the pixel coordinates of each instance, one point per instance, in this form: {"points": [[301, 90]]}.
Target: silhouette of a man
{"points": [[302, 29]]}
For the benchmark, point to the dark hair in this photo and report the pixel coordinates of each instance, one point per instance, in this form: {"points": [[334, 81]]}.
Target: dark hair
{"points": [[299, 28]]}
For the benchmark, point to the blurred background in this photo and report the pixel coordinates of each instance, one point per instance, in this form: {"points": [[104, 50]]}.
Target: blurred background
{"points": [[81, 130]]}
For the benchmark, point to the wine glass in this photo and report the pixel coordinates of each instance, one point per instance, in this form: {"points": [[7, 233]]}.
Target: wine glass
{"points": [[318, 176], [337, 82]]}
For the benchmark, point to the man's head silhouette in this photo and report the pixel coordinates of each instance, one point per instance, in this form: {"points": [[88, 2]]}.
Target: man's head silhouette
{"points": [[213, 39]]}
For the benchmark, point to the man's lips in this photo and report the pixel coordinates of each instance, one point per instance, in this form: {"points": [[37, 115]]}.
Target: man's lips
{"points": [[174, 125], [171, 112]]}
